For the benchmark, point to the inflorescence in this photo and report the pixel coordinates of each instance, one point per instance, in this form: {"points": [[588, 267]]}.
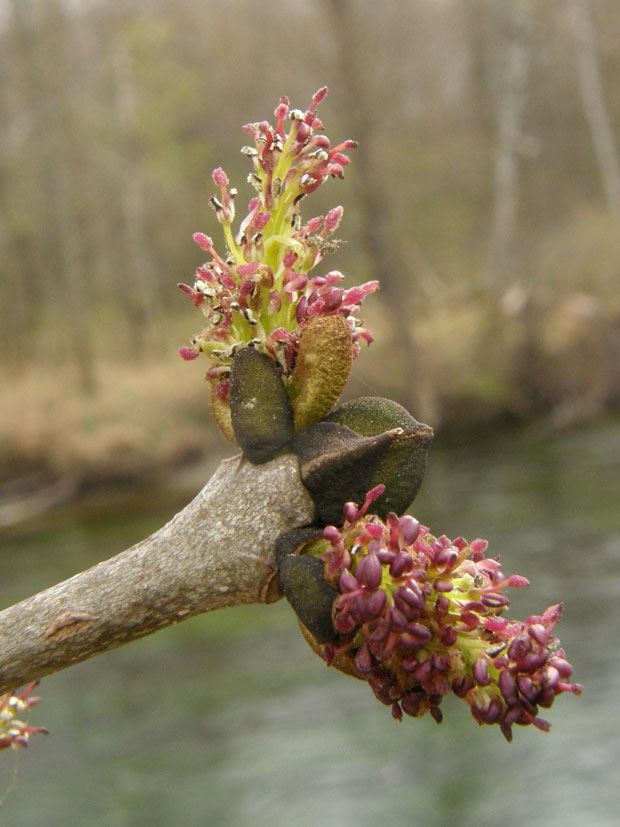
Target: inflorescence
{"points": [[14, 732], [419, 616], [260, 292]]}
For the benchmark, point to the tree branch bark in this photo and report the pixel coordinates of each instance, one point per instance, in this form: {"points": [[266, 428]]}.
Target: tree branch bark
{"points": [[218, 551]]}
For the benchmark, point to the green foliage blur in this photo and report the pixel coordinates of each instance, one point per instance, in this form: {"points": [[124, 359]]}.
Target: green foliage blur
{"points": [[485, 195]]}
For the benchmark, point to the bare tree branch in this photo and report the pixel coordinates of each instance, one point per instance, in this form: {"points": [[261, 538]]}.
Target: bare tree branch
{"points": [[216, 552]]}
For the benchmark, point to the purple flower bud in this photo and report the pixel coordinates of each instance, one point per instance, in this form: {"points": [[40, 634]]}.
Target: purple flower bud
{"points": [[343, 603], [248, 269], [546, 697], [449, 636], [331, 533], [371, 496], [318, 96], [436, 714], [344, 623], [397, 712], [356, 614], [408, 530], [441, 663], [379, 633], [219, 177], [418, 633], [380, 685], [368, 571], [411, 703], [320, 142], [493, 711], [447, 558], [442, 605], [461, 685], [384, 556], [333, 218], [370, 604], [539, 633], [550, 677], [506, 731], [528, 705], [188, 353], [398, 621], [552, 614], [544, 726], [350, 512], [494, 600], [301, 311], [443, 585], [423, 672], [475, 606], [363, 659], [507, 688], [384, 650], [526, 687], [374, 530], [399, 563], [347, 582], [515, 715], [354, 295], [414, 587], [298, 282], [407, 598], [340, 158], [335, 170], [519, 648], [303, 132], [516, 581], [480, 671], [532, 662], [478, 546], [261, 220], [562, 665], [469, 620], [227, 280], [203, 241]]}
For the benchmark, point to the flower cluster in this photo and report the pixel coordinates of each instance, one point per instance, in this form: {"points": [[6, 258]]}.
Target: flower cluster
{"points": [[14, 732], [419, 616], [260, 292]]}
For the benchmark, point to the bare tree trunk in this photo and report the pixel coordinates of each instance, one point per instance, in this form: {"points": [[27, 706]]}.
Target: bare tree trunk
{"points": [[218, 551], [143, 299], [510, 70], [377, 218], [596, 111], [73, 279]]}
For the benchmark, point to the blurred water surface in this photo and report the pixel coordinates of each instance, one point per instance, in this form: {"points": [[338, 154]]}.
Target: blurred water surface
{"points": [[230, 719]]}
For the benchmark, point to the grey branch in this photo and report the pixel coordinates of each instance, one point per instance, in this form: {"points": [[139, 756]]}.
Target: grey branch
{"points": [[218, 551]]}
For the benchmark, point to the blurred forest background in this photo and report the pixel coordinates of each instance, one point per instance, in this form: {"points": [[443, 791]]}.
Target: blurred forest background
{"points": [[485, 195]]}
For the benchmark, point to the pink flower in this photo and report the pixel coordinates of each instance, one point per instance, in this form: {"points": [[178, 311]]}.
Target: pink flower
{"points": [[14, 732], [262, 285], [419, 616]]}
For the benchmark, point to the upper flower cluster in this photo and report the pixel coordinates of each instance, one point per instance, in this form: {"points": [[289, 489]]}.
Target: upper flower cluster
{"points": [[13, 732], [260, 292], [419, 615]]}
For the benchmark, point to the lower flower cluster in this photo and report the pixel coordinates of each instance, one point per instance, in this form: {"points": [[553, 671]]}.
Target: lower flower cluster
{"points": [[14, 732], [419, 616]]}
